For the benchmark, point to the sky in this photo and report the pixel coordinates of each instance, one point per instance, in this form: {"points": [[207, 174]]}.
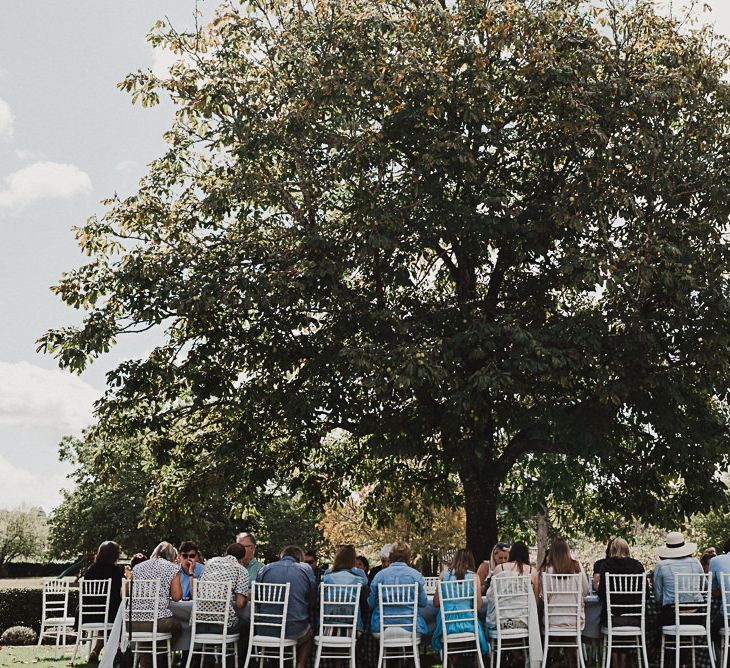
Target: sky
{"points": [[69, 138]]}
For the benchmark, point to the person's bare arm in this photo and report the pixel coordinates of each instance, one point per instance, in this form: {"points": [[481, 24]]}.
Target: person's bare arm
{"points": [[176, 588], [476, 588], [240, 601]]}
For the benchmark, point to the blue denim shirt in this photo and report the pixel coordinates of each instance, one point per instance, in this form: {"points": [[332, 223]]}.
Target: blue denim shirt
{"points": [[664, 577], [302, 593], [397, 573], [351, 577], [185, 579]]}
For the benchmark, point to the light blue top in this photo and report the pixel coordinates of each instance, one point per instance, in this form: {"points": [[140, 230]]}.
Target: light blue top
{"points": [[458, 623], [348, 577], [664, 577], [719, 564], [253, 567], [185, 579], [397, 573]]}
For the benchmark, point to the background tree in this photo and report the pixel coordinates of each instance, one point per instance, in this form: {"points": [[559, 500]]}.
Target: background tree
{"points": [[22, 535], [418, 243]]}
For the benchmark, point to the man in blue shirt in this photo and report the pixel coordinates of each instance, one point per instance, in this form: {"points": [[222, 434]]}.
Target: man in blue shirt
{"points": [[719, 565], [398, 572], [190, 569], [302, 599]]}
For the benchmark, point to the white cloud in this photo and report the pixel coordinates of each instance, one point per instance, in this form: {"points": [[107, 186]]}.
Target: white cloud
{"points": [[33, 397], [43, 180], [7, 120], [26, 488], [24, 155]]}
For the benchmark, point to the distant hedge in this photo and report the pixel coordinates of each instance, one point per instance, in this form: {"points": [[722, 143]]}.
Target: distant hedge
{"points": [[34, 570], [24, 607]]}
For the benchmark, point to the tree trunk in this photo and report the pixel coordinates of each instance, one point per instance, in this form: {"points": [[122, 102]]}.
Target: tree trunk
{"points": [[542, 531], [480, 494]]}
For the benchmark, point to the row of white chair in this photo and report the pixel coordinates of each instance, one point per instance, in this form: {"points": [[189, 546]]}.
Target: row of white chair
{"points": [[336, 639]]}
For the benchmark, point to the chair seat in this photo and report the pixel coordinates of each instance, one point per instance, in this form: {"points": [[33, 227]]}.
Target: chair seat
{"points": [[96, 626], [627, 630], [684, 630], [215, 637], [461, 637], [338, 641], [509, 633], [273, 641], [148, 636], [61, 621]]}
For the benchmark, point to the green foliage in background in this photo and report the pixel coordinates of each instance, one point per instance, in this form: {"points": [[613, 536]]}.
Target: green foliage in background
{"points": [[424, 244]]}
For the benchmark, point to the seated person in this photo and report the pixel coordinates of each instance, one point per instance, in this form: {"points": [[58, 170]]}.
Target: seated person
{"points": [[398, 572], [105, 568], [161, 566], [344, 572], [228, 568], [190, 568], [302, 599], [675, 558]]}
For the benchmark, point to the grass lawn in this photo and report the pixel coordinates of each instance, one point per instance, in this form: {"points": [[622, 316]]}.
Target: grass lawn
{"points": [[13, 583], [17, 656]]}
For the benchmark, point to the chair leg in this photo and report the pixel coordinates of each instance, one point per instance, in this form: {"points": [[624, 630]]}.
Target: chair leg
{"points": [[545, 650], [416, 656], [318, 655], [609, 651], [661, 656], [579, 650], [677, 645], [154, 653], [694, 656]]}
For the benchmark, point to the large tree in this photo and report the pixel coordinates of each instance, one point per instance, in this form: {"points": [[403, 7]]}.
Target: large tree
{"points": [[417, 243]]}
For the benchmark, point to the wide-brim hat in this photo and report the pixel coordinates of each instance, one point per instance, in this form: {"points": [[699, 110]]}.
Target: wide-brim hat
{"points": [[676, 546]]}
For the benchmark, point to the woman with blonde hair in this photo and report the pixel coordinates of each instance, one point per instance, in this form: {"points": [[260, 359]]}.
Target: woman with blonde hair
{"points": [[619, 562], [498, 556]]}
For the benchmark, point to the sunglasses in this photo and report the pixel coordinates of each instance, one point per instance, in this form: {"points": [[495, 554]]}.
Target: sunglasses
{"points": [[189, 555]]}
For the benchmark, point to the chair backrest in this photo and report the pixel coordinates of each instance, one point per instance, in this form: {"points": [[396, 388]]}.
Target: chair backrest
{"points": [[269, 607], [145, 598], [511, 600], [398, 606], [94, 601], [692, 599], [338, 606], [55, 599], [562, 596], [725, 597], [458, 601], [626, 596], [431, 583], [211, 603]]}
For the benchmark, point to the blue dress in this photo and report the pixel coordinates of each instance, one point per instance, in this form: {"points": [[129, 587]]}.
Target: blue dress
{"points": [[457, 626]]}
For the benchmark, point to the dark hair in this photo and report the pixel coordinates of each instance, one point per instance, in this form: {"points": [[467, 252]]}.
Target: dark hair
{"points": [[520, 554], [188, 545], [311, 553], [292, 551], [608, 548], [344, 559], [137, 559], [462, 562], [365, 561], [236, 550], [560, 558], [400, 551], [108, 553]]}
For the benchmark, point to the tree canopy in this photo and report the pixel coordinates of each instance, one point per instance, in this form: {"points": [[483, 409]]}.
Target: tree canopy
{"points": [[423, 244]]}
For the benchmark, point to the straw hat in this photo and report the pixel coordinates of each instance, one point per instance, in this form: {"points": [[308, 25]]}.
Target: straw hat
{"points": [[676, 546]]}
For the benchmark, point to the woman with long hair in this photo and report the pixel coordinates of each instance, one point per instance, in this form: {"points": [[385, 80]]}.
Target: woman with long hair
{"points": [[105, 568], [344, 572], [561, 562], [462, 568], [516, 615], [498, 555]]}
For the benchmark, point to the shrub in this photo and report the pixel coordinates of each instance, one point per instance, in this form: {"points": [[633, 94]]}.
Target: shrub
{"points": [[19, 635], [24, 607]]}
